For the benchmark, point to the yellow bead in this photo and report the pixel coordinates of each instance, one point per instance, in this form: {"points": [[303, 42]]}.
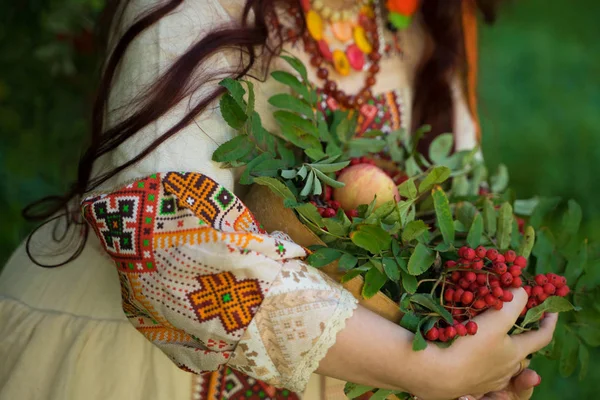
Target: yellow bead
{"points": [[314, 24], [317, 5], [341, 63], [368, 11], [326, 12], [336, 16], [360, 38]]}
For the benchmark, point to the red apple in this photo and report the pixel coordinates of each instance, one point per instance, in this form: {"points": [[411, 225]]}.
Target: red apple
{"points": [[363, 182]]}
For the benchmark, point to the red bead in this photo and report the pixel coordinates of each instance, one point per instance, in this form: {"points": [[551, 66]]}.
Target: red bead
{"points": [[322, 73], [316, 61], [375, 56], [374, 69], [371, 81], [330, 87]]}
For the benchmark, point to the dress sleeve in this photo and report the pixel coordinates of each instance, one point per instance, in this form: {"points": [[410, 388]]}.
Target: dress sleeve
{"points": [[203, 282]]}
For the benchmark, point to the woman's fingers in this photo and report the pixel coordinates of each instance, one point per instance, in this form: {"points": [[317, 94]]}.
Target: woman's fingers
{"points": [[532, 341], [525, 381], [496, 321]]}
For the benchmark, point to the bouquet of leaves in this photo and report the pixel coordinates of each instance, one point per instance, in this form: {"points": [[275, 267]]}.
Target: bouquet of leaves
{"points": [[437, 234]]}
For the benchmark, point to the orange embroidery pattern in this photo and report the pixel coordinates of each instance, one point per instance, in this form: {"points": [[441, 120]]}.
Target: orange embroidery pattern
{"points": [[221, 296]]}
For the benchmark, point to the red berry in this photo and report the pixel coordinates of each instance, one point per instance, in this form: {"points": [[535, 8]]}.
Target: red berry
{"points": [[451, 332], [477, 264], [467, 298], [549, 289], [498, 305], [510, 256], [433, 334], [523, 312], [457, 295], [471, 327], [515, 271], [563, 291], [335, 204], [517, 282], [463, 262], [482, 291], [469, 254], [461, 251], [455, 276], [506, 279], [449, 295], [497, 292], [541, 279], [481, 279], [490, 300], [322, 211], [352, 213], [500, 268], [479, 304], [470, 276], [442, 335], [461, 330], [463, 283], [481, 252], [492, 254], [329, 213], [507, 296], [527, 290], [456, 313], [450, 264], [532, 303], [494, 282], [561, 282], [500, 258], [553, 278], [537, 291], [521, 261], [473, 287], [328, 192], [542, 297]]}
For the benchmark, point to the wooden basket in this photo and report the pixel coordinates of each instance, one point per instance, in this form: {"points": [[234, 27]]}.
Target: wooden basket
{"points": [[268, 208]]}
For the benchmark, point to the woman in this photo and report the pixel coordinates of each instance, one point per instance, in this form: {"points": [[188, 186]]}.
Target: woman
{"points": [[195, 273]]}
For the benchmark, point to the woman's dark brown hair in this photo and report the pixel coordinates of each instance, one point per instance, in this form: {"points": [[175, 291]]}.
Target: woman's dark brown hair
{"points": [[432, 103]]}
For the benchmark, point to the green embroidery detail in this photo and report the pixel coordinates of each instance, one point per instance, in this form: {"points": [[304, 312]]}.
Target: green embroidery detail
{"points": [[141, 184], [148, 220], [248, 393], [153, 176], [126, 208], [261, 394], [130, 265], [151, 197], [146, 242], [226, 298], [101, 211], [149, 265]]}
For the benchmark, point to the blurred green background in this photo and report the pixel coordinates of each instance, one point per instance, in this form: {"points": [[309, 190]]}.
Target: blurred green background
{"points": [[540, 109]]}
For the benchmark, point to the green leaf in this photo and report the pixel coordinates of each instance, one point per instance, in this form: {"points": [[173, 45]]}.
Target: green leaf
{"points": [[372, 238], [315, 153], [427, 301], [465, 213], [570, 222], [421, 259], [385, 209], [364, 145], [251, 98], [403, 209], [309, 212], [351, 275], [436, 176], [329, 168], [489, 217], [528, 242], [419, 342], [476, 231], [236, 90], [291, 103], [391, 269], [294, 83], [409, 282], [268, 168], [440, 148], [525, 207], [460, 186], [374, 281], [289, 174], [297, 65], [335, 227], [327, 180], [246, 178], [353, 390], [413, 230], [317, 187], [382, 394], [276, 186], [568, 357], [233, 149], [232, 113], [289, 120], [543, 250], [552, 304], [286, 153], [576, 263], [443, 214], [584, 361], [544, 207], [347, 261], [499, 180], [408, 189], [308, 186], [410, 321], [324, 256], [505, 224]]}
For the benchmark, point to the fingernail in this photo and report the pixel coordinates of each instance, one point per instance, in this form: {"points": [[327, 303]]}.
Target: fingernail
{"points": [[463, 398], [539, 381]]}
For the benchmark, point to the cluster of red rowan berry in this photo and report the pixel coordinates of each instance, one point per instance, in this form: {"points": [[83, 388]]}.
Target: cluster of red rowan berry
{"points": [[482, 278], [328, 207]]}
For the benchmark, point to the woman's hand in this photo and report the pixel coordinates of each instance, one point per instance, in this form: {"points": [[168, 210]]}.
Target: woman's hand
{"points": [[375, 352], [487, 361]]}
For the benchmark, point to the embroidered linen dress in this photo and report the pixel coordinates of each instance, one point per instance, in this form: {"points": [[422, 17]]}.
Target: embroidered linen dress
{"points": [[177, 278]]}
